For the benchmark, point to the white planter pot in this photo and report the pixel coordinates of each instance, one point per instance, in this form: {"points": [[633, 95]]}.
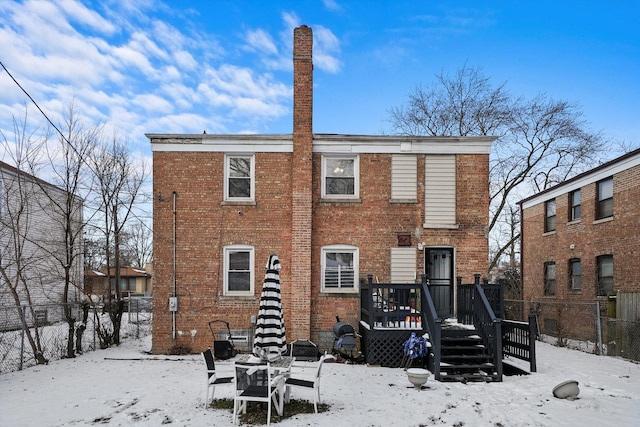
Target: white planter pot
{"points": [[417, 376], [567, 390]]}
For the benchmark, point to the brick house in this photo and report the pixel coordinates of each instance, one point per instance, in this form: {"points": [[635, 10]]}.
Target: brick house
{"points": [[580, 242], [333, 207]]}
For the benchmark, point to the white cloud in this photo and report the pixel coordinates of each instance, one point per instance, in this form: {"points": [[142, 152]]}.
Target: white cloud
{"points": [[153, 103], [325, 50], [78, 12], [260, 41], [332, 5], [291, 21], [185, 60], [122, 66]]}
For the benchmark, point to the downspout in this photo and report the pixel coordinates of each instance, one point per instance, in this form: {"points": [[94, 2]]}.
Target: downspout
{"points": [[175, 281]]}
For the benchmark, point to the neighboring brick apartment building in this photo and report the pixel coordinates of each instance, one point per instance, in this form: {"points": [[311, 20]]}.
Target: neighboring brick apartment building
{"points": [[334, 208], [581, 242]]}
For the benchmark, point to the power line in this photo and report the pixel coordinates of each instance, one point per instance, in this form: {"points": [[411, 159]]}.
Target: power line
{"points": [[36, 104]]}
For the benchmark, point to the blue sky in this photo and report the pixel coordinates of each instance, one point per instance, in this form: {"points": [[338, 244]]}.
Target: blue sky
{"points": [[146, 66]]}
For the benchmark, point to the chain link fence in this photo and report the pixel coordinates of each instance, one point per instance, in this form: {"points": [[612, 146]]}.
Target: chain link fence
{"points": [[580, 325], [46, 326]]}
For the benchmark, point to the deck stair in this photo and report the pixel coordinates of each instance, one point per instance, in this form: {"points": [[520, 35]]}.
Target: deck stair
{"points": [[464, 356]]}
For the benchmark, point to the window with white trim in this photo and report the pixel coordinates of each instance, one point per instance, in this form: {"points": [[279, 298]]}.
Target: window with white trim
{"points": [[340, 268], [238, 270], [340, 177], [239, 179]]}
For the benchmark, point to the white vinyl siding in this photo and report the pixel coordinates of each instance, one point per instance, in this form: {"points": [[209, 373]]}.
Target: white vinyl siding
{"points": [[403, 265], [440, 191], [404, 169]]}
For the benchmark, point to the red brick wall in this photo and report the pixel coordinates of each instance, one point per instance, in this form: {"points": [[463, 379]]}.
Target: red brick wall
{"points": [[204, 227], [373, 225], [300, 313]]}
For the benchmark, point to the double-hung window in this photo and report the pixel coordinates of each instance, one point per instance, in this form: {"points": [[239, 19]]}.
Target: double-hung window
{"points": [[575, 211], [604, 206], [339, 268], [605, 274], [550, 278], [340, 177], [575, 274], [550, 215], [239, 177], [238, 270]]}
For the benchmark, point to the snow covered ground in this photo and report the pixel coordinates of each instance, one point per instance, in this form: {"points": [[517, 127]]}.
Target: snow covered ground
{"points": [[125, 386]]}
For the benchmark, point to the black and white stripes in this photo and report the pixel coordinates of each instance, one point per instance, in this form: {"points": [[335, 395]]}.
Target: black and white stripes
{"points": [[270, 334]]}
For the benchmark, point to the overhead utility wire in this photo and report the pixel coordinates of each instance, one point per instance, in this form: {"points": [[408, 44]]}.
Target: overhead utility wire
{"points": [[36, 104]]}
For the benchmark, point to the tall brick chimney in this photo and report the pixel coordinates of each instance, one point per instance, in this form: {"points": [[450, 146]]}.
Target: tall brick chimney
{"points": [[300, 326]]}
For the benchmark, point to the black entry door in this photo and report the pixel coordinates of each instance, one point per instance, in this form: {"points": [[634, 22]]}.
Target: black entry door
{"points": [[439, 269]]}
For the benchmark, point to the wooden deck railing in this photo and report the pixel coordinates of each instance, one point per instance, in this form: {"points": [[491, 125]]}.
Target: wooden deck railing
{"points": [[434, 327], [519, 340], [411, 306], [386, 305], [475, 309]]}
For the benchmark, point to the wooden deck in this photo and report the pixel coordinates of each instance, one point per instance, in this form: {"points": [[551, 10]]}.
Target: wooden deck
{"points": [[390, 313]]}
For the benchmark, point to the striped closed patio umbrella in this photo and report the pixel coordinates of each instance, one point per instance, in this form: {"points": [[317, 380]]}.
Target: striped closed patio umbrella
{"points": [[270, 338]]}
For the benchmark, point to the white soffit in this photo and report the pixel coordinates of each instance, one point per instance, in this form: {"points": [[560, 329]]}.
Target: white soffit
{"points": [[356, 144]]}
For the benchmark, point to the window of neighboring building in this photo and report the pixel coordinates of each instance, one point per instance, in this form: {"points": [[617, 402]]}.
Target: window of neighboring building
{"points": [[549, 278], [340, 177], [604, 207], [238, 270], [339, 268], [127, 284], [550, 215], [575, 274], [239, 177], [605, 274], [575, 210]]}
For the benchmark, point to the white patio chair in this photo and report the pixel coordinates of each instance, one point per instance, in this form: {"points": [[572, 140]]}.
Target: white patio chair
{"points": [[314, 384], [212, 379], [255, 383]]}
